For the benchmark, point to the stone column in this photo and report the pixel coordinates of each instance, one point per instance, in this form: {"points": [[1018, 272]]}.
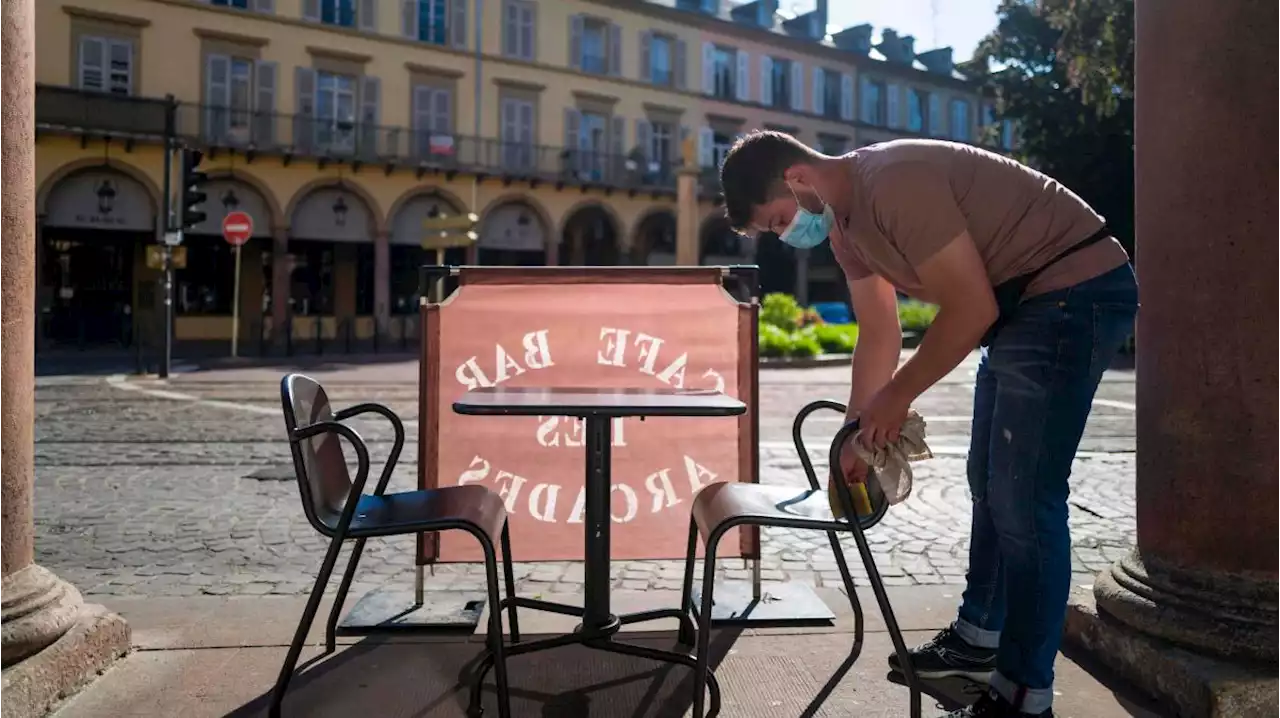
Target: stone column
{"points": [[1191, 614], [50, 641], [687, 217], [281, 268], [381, 281]]}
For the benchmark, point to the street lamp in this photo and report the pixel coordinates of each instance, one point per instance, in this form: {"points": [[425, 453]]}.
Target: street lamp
{"points": [[106, 197], [230, 201], [340, 211]]}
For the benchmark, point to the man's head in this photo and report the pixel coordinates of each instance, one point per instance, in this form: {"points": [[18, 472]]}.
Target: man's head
{"points": [[765, 176]]}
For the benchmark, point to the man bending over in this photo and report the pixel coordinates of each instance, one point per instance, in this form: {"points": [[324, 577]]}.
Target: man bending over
{"points": [[1018, 264]]}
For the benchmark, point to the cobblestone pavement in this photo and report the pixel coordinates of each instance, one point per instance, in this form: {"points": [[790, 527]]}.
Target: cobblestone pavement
{"points": [[150, 492]]}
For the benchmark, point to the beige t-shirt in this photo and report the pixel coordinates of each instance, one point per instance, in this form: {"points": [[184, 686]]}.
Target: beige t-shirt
{"points": [[912, 197]]}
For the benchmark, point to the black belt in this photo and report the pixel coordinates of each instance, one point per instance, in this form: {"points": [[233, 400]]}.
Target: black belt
{"points": [[1009, 292]]}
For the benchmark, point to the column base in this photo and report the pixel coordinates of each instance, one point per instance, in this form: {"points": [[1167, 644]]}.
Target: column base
{"points": [[54, 643], [1190, 684], [1225, 615]]}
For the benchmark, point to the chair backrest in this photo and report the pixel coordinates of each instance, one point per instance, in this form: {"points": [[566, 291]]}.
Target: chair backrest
{"points": [[318, 461]]}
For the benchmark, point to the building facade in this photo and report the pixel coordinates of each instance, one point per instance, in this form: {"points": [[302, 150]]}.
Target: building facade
{"points": [[339, 126]]}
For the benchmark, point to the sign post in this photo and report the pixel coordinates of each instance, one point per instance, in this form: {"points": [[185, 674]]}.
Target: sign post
{"points": [[446, 233], [237, 228]]}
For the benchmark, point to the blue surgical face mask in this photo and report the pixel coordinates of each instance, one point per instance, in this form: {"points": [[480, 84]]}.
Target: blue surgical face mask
{"points": [[807, 230]]}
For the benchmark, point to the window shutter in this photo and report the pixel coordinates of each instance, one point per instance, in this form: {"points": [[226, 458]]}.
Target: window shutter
{"points": [[265, 107], [891, 105], [618, 136], [935, 115], [766, 80], [268, 6], [442, 112], [304, 83], [646, 67], [370, 89], [421, 120], [510, 29], [865, 112], [528, 21], [708, 68], [458, 23], [409, 18], [572, 128], [120, 52], [217, 97], [93, 64], [368, 18], [311, 10], [681, 61], [846, 97], [615, 49], [644, 140], [819, 91], [797, 86], [575, 41], [741, 81], [525, 124], [706, 147]]}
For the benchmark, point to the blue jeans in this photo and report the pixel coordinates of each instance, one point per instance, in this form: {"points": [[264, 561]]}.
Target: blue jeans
{"points": [[1035, 386]]}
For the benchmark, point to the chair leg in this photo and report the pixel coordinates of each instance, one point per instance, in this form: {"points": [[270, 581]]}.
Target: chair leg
{"points": [[304, 627], [858, 621], [685, 636], [703, 656], [890, 621], [495, 631], [508, 571], [331, 626]]}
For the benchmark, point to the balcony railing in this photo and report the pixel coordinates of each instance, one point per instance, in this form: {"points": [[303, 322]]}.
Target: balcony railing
{"points": [[343, 140]]}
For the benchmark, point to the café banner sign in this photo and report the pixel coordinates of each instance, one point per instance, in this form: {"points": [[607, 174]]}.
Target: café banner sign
{"points": [[586, 328]]}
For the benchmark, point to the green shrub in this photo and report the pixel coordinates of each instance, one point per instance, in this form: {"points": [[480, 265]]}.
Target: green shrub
{"points": [[836, 338], [804, 344], [774, 342], [781, 311], [916, 316]]}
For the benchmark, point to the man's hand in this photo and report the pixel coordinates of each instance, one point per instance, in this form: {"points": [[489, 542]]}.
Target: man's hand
{"points": [[855, 470], [881, 419]]}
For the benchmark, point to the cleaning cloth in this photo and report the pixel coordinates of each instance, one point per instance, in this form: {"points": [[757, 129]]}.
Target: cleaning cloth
{"points": [[891, 466]]}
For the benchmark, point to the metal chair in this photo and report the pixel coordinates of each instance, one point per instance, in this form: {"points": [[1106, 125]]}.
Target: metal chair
{"points": [[722, 506], [338, 508]]}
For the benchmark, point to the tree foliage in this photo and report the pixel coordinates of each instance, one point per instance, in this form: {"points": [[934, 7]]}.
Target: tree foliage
{"points": [[1063, 71]]}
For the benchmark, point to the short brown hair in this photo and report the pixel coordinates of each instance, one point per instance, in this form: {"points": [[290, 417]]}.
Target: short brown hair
{"points": [[752, 172]]}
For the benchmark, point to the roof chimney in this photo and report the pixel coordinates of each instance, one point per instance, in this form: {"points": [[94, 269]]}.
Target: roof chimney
{"points": [[938, 61], [854, 39]]}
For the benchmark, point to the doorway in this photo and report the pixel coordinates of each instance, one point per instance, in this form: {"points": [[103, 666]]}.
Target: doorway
{"points": [[88, 277]]}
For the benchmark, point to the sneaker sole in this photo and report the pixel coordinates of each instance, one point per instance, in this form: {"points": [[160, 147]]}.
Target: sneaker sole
{"points": [[976, 676]]}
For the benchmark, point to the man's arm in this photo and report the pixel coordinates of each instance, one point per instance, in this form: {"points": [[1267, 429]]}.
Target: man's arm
{"points": [[879, 339], [956, 277]]}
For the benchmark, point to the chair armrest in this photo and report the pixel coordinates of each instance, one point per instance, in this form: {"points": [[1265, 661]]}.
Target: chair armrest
{"points": [[797, 436], [396, 425], [362, 464]]}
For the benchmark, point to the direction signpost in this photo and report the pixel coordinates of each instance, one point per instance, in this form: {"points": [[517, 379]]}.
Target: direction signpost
{"points": [[237, 228]]}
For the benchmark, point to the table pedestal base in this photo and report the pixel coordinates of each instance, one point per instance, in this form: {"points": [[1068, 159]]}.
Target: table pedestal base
{"points": [[791, 603], [601, 638]]}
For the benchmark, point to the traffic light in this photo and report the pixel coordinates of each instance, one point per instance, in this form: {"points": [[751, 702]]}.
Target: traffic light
{"points": [[193, 196]]}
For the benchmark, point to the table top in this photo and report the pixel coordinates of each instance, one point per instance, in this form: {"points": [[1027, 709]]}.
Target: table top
{"points": [[534, 401]]}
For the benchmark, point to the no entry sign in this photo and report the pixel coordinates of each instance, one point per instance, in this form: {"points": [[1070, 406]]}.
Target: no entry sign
{"points": [[237, 228]]}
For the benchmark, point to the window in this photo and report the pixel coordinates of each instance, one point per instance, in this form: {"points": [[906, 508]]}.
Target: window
{"points": [[433, 21], [917, 110], [1006, 134], [720, 144], [781, 83], [433, 122], [517, 29], [594, 58], [723, 62], [961, 122], [517, 134], [106, 65], [242, 4], [335, 111], [338, 12], [660, 60], [241, 85], [831, 93], [593, 145], [204, 286], [239, 100], [834, 146], [873, 97], [311, 290], [661, 142]]}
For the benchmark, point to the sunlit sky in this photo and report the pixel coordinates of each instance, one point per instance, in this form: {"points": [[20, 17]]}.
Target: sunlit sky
{"points": [[934, 23]]}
